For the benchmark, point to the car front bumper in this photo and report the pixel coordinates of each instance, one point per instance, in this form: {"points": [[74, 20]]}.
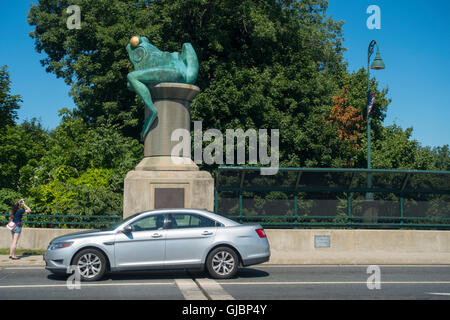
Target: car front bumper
{"points": [[57, 260]]}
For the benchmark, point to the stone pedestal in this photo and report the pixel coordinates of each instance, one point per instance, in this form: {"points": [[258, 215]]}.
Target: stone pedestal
{"points": [[146, 190], [160, 180], [173, 103]]}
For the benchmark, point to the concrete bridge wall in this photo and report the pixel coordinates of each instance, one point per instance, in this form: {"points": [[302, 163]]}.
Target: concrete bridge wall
{"points": [[308, 247]]}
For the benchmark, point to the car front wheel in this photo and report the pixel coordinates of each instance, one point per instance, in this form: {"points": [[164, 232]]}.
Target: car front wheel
{"points": [[91, 264], [222, 263]]}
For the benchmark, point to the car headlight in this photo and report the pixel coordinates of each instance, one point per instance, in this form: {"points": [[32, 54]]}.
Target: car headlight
{"points": [[59, 245]]}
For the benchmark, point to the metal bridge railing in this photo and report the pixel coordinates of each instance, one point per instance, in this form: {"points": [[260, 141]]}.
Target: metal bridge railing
{"points": [[335, 198], [65, 221]]}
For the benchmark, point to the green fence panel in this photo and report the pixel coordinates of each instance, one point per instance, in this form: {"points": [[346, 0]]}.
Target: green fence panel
{"points": [[335, 198]]}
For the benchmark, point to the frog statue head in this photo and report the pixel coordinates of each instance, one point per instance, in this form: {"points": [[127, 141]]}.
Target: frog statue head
{"points": [[153, 66]]}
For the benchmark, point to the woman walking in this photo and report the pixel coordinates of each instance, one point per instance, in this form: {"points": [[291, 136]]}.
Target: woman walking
{"points": [[16, 215]]}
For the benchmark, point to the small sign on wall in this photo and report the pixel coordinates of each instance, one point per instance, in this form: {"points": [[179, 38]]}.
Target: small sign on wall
{"points": [[169, 198], [322, 242]]}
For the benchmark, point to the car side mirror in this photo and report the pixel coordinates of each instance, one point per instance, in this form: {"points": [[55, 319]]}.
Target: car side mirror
{"points": [[127, 229]]}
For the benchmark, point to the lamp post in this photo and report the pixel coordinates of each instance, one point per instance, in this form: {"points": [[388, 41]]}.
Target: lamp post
{"points": [[377, 64]]}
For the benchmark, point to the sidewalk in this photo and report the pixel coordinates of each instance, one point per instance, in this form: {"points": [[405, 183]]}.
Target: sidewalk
{"points": [[24, 261]]}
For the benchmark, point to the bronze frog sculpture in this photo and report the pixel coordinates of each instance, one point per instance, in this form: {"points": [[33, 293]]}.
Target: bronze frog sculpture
{"points": [[153, 66]]}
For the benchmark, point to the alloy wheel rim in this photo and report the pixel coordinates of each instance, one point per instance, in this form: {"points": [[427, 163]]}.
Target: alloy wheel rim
{"points": [[89, 265], [223, 263]]}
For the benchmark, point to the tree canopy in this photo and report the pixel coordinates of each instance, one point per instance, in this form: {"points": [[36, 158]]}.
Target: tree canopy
{"points": [[263, 64], [272, 64], [9, 104]]}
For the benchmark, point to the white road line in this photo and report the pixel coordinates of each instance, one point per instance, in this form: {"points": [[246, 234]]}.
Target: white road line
{"points": [[31, 286], [439, 293], [214, 289], [349, 266], [277, 283], [189, 289]]}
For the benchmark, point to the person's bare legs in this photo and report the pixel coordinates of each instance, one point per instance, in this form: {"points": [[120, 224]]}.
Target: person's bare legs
{"points": [[15, 240]]}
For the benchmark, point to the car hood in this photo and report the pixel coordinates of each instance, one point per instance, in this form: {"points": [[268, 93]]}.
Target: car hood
{"points": [[80, 235]]}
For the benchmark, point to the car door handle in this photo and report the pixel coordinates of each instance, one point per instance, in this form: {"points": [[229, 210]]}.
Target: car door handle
{"points": [[206, 233], [156, 235]]}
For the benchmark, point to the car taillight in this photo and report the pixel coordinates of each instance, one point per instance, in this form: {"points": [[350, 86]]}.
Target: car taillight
{"points": [[261, 233]]}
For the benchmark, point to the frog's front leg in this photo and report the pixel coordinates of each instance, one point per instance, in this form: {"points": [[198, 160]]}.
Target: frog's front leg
{"points": [[141, 89], [140, 79]]}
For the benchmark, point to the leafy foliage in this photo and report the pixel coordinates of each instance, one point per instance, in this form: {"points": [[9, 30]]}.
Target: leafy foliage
{"points": [[396, 150], [9, 104], [21, 147], [442, 157], [73, 170], [84, 168], [347, 120], [93, 59], [92, 193], [7, 198], [275, 64], [270, 64]]}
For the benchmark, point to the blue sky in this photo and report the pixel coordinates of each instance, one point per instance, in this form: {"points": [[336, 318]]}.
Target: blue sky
{"points": [[414, 41], [42, 93], [415, 46]]}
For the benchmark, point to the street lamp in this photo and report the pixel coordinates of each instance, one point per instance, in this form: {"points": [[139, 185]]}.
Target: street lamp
{"points": [[377, 64]]}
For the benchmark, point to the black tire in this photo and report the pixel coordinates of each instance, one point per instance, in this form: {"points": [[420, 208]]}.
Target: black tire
{"points": [[91, 264], [222, 263]]}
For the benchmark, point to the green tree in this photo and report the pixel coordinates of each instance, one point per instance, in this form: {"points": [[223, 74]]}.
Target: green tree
{"points": [[82, 170], [396, 150], [270, 64], [357, 97], [442, 158], [74, 147], [92, 193], [263, 64], [21, 147], [9, 104], [93, 59], [7, 198], [274, 64]]}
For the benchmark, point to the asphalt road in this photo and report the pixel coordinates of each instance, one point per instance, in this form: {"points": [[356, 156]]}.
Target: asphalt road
{"points": [[263, 282]]}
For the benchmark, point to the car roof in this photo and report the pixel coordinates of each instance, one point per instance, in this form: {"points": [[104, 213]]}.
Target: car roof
{"points": [[209, 214]]}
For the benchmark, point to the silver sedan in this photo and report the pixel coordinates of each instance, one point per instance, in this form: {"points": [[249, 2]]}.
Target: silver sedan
{"points": [[161, 239]]}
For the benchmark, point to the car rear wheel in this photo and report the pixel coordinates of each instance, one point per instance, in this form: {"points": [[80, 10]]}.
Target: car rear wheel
{"points": [[91, 264], [222, 263]]}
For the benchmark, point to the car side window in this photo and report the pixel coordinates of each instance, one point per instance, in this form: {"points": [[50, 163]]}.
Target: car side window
{"points": [[187, 220], [152, 222]]}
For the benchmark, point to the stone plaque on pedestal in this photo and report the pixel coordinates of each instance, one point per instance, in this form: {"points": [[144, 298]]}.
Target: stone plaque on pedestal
{"points": [[169, 198]]}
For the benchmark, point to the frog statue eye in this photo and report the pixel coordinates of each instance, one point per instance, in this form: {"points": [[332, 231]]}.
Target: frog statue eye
{"points": [[138, 54]]}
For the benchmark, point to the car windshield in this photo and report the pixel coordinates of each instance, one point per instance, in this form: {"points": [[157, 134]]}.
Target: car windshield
{"points": [[121, 222]]}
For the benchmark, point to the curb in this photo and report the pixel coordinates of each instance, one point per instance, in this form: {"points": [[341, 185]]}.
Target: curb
{"points": [[23, 262]]}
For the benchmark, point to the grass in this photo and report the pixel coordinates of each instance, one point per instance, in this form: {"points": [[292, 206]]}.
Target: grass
{"points": [[23, 252]]}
